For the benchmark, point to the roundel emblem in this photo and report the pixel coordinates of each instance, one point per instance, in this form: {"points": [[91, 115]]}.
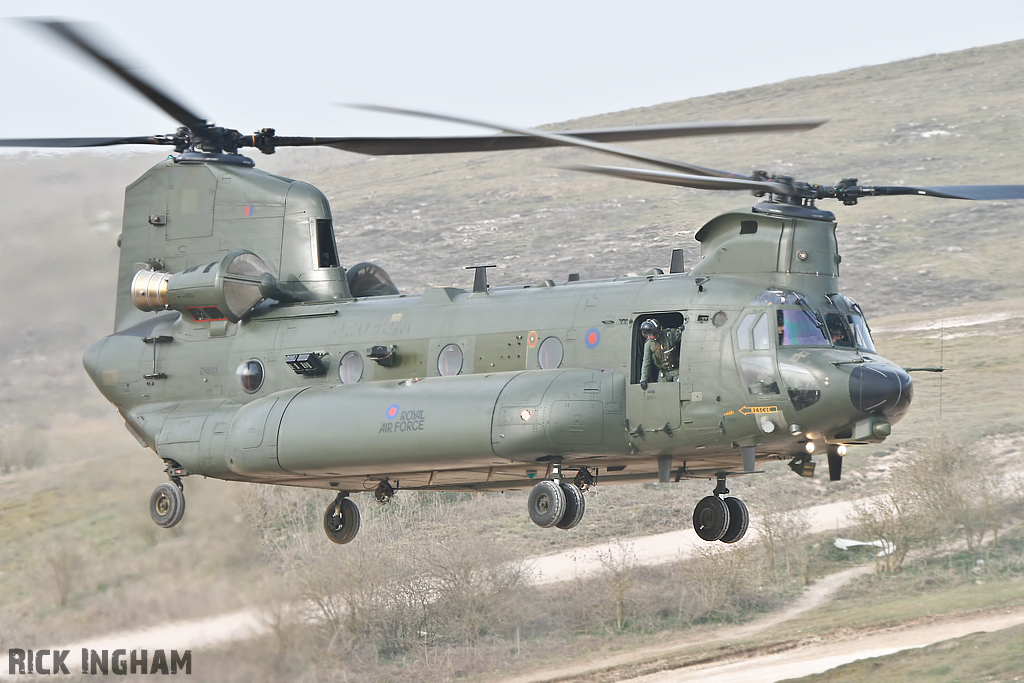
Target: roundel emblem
{"points": [[592, 338], [531, 339], [392, 412]]}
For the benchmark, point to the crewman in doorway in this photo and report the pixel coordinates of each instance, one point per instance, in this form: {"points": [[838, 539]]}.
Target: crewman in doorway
{"points": [[661, 352]]}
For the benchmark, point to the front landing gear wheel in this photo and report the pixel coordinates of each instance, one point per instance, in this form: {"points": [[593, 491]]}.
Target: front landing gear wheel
{"points": [[711, 518], [341, 520], [167, 505], [739, 519], [546, 504], [575, 506]]}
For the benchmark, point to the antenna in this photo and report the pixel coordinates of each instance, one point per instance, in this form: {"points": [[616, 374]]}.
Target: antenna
{"points": [[480, 280], [677, 261]]}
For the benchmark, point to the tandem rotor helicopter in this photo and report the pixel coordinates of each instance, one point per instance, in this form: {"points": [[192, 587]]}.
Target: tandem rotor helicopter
{"points": [[244, 350]]}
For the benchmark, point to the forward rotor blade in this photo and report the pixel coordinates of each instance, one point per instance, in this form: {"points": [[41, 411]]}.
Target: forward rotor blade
{"points": [[562, 139], [976, 192], [500, 143], [84, 142], [685, 180], [73, 35]]}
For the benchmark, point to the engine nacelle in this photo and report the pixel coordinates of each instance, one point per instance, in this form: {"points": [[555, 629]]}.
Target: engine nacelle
{"points": [[224, 290]]}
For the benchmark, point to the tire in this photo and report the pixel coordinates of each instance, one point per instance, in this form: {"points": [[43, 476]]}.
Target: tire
{"points": [[575, 506], [167, 505], [711, 518], [739, 519], [341, 526], [546, 504]]}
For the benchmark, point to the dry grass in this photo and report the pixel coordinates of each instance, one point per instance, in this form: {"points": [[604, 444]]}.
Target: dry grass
{"points": [[908, 261]]}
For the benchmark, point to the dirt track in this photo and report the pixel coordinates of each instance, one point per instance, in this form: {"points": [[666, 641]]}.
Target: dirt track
{"points": [[817, 657], [649, 550]]}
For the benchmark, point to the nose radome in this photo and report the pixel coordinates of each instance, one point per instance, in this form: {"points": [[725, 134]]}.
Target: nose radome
{"points": [[881, 389]]}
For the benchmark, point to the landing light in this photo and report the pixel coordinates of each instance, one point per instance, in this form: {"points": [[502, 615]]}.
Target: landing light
{"points": [[809, 447], [525, 415], [841, 450]]}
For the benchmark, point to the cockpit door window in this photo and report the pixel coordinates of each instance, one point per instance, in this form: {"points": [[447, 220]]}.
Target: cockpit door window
{"points": [[761, 332]]}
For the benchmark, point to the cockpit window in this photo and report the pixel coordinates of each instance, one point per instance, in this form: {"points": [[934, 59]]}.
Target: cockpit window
{"points": [[761, 333], [859, 323], [743, 332], [777, 297], [863, 334], [837, 331], [759, 375], [799, 328], [760, 326], [802, 385]]}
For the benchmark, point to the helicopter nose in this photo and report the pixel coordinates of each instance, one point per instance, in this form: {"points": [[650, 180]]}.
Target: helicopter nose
{"points": [[885, 390]]}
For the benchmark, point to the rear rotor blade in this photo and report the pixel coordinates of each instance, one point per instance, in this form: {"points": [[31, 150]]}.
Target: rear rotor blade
{"points": [[563, 139], [73, 35], [976, 192], [499, 143], [685, 180]]}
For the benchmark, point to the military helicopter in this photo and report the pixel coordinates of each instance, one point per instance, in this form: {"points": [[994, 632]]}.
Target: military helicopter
{"points": [[243, 350]]}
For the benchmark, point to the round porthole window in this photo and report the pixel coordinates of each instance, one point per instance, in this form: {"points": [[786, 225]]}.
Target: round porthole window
{"points": [[350, 369], [250, 374], [550, 353], [449, 361]]}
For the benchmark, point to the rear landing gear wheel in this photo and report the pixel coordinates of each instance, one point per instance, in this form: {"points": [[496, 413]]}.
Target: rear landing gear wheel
{"points": [[739, 519], [341, 520], [711, 518], [167, 504], [575, 506], [546, 504]]}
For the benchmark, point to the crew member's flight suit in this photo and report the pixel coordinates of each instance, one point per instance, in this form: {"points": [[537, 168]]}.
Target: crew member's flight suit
{"points": [[661, 356]]}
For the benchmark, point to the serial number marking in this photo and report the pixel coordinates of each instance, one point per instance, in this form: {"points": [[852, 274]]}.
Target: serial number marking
{"points": [[208, 370]]}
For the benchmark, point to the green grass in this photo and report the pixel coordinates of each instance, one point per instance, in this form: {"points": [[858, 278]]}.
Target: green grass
{"points": [[997, 656]]}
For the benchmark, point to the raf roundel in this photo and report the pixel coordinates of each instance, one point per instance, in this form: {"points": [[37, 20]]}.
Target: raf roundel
{"points": [[593, 338], [392, 412]]}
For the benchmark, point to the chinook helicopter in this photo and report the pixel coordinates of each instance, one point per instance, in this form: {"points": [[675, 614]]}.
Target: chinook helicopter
{"points": [[243, 350]]}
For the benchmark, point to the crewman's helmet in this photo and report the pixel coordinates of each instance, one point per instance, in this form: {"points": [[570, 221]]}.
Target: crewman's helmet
{"points": [[650, 328]]}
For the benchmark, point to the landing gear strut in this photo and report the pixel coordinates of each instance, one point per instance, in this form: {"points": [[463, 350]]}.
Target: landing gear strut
{"points": [[341, 519], [557, 502], [721, 519]]}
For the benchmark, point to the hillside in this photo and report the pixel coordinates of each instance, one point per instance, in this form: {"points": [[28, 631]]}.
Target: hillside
{"points": [[943, 119], [939, 278]]}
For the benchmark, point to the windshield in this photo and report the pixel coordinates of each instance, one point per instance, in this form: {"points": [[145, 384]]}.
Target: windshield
{"points": [[798, 328], [863, 334], [858, 322], [837, 331]]}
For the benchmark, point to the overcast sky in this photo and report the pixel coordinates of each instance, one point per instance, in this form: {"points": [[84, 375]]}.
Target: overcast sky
{"points": [[286, 65]]}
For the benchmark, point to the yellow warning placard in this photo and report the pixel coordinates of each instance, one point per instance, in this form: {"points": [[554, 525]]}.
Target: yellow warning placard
{"points": [[758, 410]]}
